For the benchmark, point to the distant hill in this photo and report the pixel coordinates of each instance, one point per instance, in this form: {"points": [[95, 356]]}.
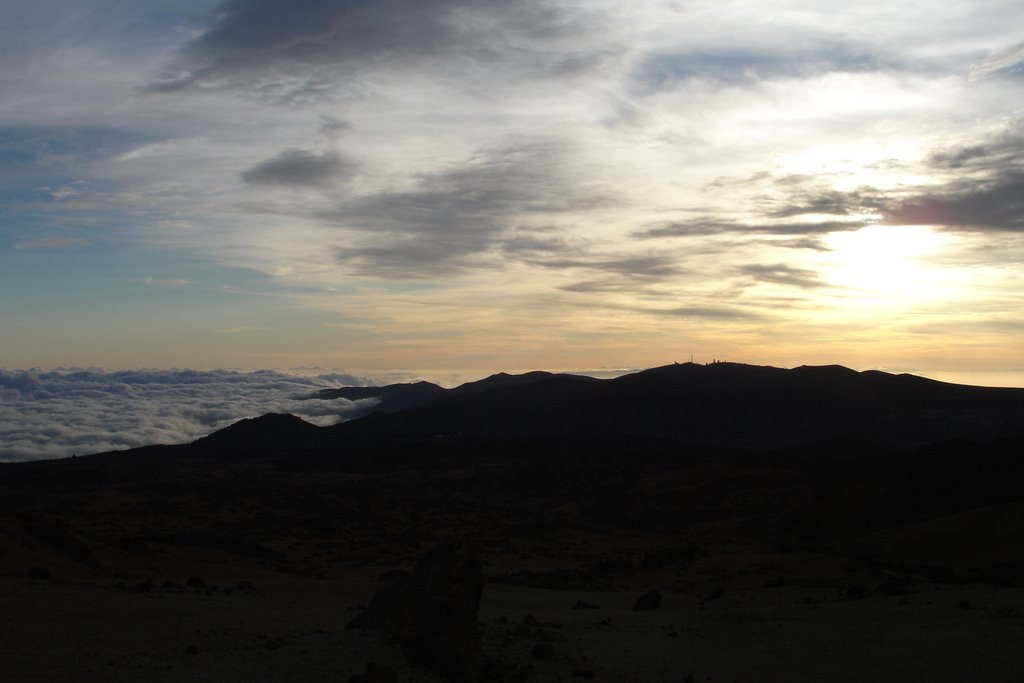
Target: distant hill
{"points": [[394, 398], [391, 398]]}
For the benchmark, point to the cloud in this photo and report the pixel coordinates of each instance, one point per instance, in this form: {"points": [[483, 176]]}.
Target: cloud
{"points": [[782, 274], [331, 126], [707, 312], [449, 220], [967, 204], [643, 266], [46, 414], [817, 201], [663, 69], [1006, 63], [709, 226], [301, 51], [299, 168], [985, 189]]}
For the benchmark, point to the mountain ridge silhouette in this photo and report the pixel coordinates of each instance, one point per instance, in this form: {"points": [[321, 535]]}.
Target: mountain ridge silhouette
{"points": [[720, 403]]}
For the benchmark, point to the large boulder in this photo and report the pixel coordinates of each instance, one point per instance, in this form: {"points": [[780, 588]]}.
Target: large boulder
{"points": [[433, 612]]}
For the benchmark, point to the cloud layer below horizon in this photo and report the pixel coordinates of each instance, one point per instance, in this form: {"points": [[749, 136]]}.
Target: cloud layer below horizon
{"points": [[51, 414]]}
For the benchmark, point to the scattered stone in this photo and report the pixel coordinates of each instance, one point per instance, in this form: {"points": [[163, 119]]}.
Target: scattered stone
{"points": [[543, 651], [649, 600]]}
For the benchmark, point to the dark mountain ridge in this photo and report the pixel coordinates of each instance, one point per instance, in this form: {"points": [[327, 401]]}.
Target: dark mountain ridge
{"points": [[393, 398], [719, 404]]}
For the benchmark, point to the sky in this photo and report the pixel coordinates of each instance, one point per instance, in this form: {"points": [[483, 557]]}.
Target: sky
{"points": [[450, 188]]}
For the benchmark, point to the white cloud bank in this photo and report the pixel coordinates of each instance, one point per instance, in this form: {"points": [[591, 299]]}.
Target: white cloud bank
{"points": [[58, 413]]}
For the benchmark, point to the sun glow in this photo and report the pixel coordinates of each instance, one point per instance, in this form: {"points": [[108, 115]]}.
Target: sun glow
{"points": [[885, 261]]}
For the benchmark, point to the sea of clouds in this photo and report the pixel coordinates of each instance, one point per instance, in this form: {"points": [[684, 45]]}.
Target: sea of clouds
{"points": [[58, 413]]}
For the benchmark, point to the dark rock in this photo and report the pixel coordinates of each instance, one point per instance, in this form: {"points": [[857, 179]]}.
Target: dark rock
{"points": [[530, 620], [246, 586], [195, 582], [375, 673], [543, 651], [649, 600], [192, 649], [582, 673], [39, 573], [585, 605], [433, 612], [393, 574]]}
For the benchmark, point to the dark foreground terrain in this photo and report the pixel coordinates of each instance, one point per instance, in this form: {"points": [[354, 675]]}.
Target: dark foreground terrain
{"points": [[885, 544]]}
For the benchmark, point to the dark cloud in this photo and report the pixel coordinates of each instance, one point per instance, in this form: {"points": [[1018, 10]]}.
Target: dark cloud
{"points": [[45, 414], [278, 45], [781, 274], [813, 200], [1000, 152], [453, 217], [986, 191], [701, 227], [299, 168], [996, 205]]}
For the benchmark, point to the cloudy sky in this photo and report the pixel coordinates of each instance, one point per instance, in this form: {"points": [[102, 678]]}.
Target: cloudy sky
{"points": [[456, 187]]}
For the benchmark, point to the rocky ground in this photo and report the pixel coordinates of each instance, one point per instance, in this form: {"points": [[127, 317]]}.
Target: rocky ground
{"points": [[834, 562]]}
